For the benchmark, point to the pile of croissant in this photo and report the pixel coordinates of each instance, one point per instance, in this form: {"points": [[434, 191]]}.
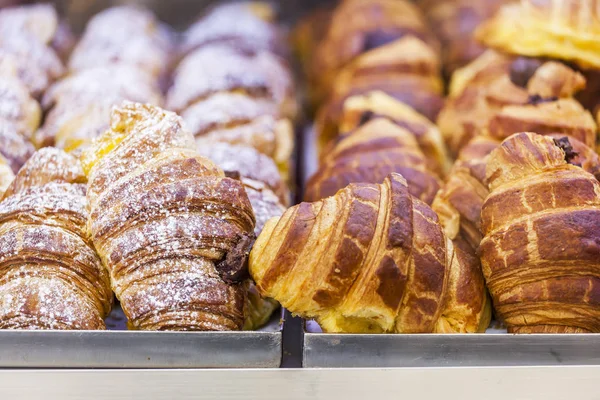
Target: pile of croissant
{"points": [[457, 168]]}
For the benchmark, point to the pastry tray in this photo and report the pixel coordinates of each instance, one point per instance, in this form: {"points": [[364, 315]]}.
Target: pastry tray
{"points": [[323, 350], [119, 348]]}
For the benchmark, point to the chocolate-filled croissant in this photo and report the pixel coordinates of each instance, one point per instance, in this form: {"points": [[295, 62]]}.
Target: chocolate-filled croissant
{"points": [[370, 259], [356, 27], [173, 231], [369, 154], [51, 277], [407, 70], [498, 95], [541, 252], [454, 22]]}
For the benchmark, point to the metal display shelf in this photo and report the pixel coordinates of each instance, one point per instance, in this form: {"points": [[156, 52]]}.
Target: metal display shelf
{"points": [[474, 350], [492, 383], [119, 348]]}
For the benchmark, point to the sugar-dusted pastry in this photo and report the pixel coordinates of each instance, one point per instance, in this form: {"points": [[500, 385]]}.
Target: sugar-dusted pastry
{"points": [[220, 68], [370, 259], [51, 276], [14, 147], [17, 108], [369, 154], [38, 21], [540, 253], [250, 164], [123, 35], [244, 25], [6, 175], [173, 231], [79, 105]]}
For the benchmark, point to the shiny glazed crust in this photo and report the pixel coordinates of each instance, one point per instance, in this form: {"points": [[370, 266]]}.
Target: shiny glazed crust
{"points": [[370, 259], [541, 253]]}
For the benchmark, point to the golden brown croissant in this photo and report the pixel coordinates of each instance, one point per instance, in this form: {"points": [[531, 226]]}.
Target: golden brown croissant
{"points": [[51, 276], [497, 95], [123, 35], [541, 253], [407, 69], [359, 109], [358, 26], [250, 164], [172, 230], [560, 29], [454, 22], [79, 105], [245, 25], [369, 154], [372, 259]]}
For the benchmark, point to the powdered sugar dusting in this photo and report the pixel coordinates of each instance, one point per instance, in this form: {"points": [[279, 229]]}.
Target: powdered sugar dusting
{"points": [[51, 278], [161, 217]]}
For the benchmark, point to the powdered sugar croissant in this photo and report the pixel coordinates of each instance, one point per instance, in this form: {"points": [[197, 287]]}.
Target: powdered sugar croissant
{"points": [[541, 250], [50, 275], [170, 227], [370, 259]]}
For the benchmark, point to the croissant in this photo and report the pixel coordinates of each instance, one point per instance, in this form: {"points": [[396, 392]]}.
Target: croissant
{"points": [[34, 63], [169, 226], [454, 21], [39, 21], [540, 253], [14, 148], [17, 108], [369, 154], [217, 68], [123, 35], [266, 205], [250, 164], [356, 27], [498, 95], [244, 25], [370, 259], [407, 69], [51, 276], [359, 109], [6, 175], [241, 120], [79, 105]]}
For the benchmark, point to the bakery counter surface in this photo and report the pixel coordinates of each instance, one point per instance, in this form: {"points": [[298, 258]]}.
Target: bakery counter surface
{"points": [[489, 383]]}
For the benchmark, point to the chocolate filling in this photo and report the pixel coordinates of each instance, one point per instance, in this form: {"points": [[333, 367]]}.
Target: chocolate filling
{"points": [[535, 99], [233, 268], [522, 69], [565, 145]]}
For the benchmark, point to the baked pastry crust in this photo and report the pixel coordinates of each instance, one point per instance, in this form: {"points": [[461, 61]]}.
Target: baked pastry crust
{"points": [[540, 253], [560, 29], [51, 276], [370, 259], [169, 226]]}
